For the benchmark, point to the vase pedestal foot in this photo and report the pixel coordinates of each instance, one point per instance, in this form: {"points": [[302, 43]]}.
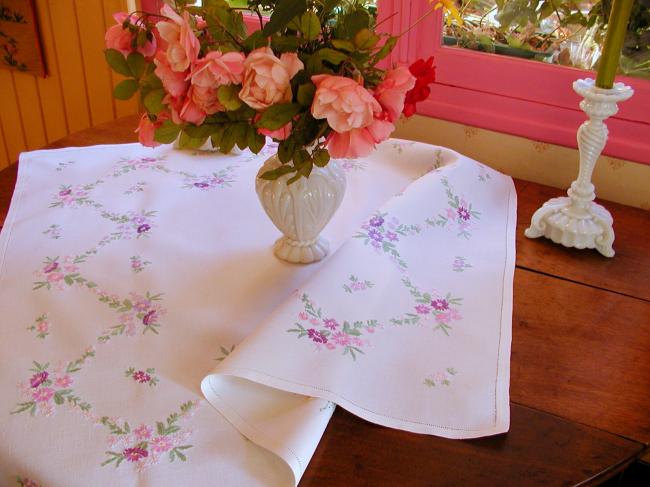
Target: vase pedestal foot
{"points": [[572, 225], [301, 252]]}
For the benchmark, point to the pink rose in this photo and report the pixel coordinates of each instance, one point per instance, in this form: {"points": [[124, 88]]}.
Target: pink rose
{"points": [[279, 134], [147, 129], [343, 102], [182, 45], [359, 142], [193, 109], [391, 92], [217, 69], [266, 78], [120, 38], [175, 83]]}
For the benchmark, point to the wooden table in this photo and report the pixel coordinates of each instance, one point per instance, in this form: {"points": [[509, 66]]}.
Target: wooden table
{"points": [[580, 372]]}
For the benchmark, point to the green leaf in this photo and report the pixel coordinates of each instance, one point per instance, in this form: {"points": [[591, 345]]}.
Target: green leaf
{"points": [[285, 43], [153, 101], [228, 97], [117, 62], [386, 49], [167, 132], [277, 116], [343, 45], [365, 39], [286, 149], [310, 26], [276, 173], [321, 157], [353, 23], [228, 140], [305, 94], [136, 63], [186, 141], [255, 40], [125, 89], [332, 56], [282, 14], [254, 140], [240, 133]]}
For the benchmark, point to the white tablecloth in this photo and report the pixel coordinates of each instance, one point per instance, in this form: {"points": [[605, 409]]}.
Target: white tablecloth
{"points": [[127, 274]]}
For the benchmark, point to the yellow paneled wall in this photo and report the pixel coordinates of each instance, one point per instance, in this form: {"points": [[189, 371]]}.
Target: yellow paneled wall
{"points": [[77, 91]]}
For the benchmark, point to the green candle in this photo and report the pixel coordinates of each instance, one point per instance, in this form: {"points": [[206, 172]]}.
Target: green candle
{"points": [[616, 29]]}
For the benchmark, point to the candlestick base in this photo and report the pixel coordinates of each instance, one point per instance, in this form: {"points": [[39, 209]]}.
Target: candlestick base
{"points": [[577, 221], [562, 221]]}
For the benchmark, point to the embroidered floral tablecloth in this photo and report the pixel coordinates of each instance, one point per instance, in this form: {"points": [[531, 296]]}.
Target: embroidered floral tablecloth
{"points": [[127, 274]]}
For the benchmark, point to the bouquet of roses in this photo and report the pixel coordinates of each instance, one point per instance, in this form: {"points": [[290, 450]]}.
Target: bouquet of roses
{"points": [[309, 78]]}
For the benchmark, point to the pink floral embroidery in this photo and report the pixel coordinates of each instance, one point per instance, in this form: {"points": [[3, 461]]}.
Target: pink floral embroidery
{"points": [[45, 390], [137, 264], [58, 273], [440, 378], [329, 333], [142, 376], [441, 308], [459, 213], [355, 285], [136, 311], [26, 482], [139, 447], [74, 196]]}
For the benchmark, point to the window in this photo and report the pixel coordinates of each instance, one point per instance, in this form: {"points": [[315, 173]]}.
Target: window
{"points": [[511, 95]]}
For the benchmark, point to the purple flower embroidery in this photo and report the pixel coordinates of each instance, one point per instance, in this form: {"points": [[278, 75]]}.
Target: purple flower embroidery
{"points": [[135, 454], [440, 304], [145, 227], [375, 235], [463, 213], [376, 221], [392, 236], [422, 309], [65, 192], [141, 376], [202, 185], [330, 324], [51, 267], [38, 378], [316, 336], [149, 318]]}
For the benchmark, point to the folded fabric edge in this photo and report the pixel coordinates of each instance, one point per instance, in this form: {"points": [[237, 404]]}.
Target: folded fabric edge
{"points": [[501, 425], [309, 432]]}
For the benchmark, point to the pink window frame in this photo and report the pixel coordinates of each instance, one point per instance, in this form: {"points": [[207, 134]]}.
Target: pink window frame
{"points": [[500, 93], [516, 96]]}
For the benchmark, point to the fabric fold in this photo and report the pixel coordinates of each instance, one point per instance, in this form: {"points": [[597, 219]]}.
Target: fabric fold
{"points": [[407, 325]]}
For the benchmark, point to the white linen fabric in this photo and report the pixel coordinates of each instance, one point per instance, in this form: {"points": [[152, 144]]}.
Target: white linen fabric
{"points": [[127, 273]]}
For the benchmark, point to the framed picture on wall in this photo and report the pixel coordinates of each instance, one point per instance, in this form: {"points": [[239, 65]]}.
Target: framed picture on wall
{"points": [[20, 45]]}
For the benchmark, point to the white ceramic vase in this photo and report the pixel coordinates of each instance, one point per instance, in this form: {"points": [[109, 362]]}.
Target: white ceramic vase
{"points": [[302, 209]]}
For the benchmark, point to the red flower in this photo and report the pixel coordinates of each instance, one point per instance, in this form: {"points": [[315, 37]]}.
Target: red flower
{"points": [[425, 74]]}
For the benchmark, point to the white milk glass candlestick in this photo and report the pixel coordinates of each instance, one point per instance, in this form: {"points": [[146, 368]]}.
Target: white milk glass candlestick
{"points": [[576, 221]]}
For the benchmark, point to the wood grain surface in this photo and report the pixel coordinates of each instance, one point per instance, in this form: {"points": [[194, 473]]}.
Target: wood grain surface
{"points": [[580, 369]]}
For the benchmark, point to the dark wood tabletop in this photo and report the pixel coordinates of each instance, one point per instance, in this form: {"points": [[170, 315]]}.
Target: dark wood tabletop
{"points": [[580, 370]]}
